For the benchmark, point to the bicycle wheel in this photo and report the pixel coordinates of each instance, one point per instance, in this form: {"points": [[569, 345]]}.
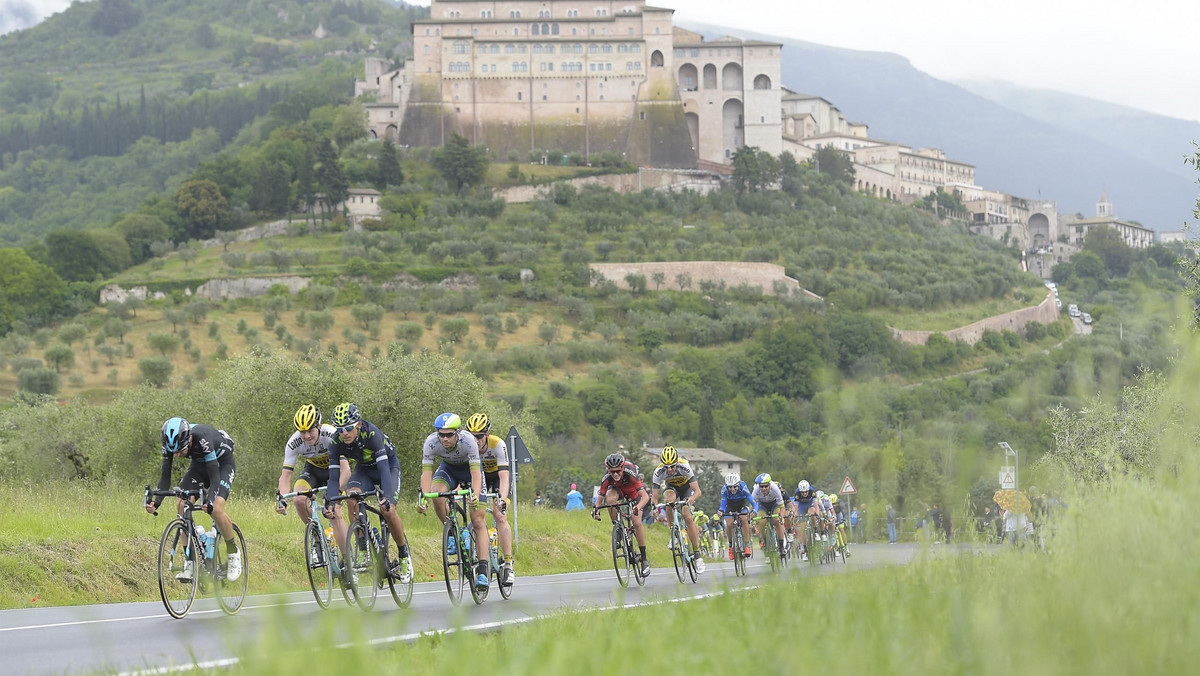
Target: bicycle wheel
{"points": [[176, 549], [477, 594], [401, 591], [317, 557], [635, 556], [621, 559], [452, 563], [677, 555], [739, 554], [505, 589], [231, 594], [360, 561]]}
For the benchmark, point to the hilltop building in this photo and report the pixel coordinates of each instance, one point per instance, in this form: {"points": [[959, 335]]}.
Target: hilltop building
{"points": [[578, 76]]}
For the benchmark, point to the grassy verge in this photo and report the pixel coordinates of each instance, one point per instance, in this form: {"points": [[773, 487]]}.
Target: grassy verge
{"points": [[1116, 594], [94, 544], [960, 315]]}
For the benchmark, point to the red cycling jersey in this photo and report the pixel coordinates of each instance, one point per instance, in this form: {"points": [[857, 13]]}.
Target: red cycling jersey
{"points": [[628, 485]]}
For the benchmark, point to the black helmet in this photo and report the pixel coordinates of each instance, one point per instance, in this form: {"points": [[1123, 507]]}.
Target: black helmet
{"points": [[614, 461]]}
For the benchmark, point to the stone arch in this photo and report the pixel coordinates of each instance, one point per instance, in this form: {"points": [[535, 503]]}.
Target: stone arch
{"points": [[1039, 230], [656, 59], [710, 76], [392, 133], [762, 82], [731, 77], [731, 125], [688, 80]]}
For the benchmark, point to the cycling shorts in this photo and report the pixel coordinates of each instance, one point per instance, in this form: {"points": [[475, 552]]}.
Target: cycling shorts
{"points": [[196, 477], [454, 476], [366, 477], [311, 477]]}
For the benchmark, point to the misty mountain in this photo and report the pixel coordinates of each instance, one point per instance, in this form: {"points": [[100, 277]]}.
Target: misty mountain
{"points": [[1064, 148]]}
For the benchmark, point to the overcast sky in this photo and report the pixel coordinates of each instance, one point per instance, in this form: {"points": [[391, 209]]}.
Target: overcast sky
{"points": [[1144, 54]]}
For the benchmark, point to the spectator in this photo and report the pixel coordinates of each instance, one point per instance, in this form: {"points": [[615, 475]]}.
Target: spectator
{"points": [[891, 524], [574, 499], [862, 524], [854, 525], [947, 527], [538, 500]]}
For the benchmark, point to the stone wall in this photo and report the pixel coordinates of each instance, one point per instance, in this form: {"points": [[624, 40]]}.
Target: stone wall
{"points": [[213, 289], [652, 179], [762, 275], [1045, 312]]}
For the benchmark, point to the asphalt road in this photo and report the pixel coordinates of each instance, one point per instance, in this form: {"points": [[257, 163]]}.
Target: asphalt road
{"points": [[134, 637]]}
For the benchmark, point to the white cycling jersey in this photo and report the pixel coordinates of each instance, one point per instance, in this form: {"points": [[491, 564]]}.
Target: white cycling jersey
{"points": [[317, 456], [465, 452], [772, 495]]}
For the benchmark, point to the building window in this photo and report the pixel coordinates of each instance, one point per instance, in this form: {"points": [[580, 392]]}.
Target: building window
{"points": [[461, 46], [535, 30], [514, 14], [694, 53]]}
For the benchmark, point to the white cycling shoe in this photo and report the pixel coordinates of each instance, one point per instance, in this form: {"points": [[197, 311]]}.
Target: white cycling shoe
{"points": [[233, 566]]}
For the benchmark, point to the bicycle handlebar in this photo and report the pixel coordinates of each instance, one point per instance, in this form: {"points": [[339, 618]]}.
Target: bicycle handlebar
{"points": [[310, 493]]}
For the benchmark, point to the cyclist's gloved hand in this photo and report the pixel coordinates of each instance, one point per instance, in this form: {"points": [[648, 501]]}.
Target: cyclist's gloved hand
{"points": [[595, 514], [281, 505], [504, 506], [208, 508], [637, 512], [420, 507], [152, 508], [385, 505]]}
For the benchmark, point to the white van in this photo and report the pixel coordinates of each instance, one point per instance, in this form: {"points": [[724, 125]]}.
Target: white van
{"points": [[1073, 310]]}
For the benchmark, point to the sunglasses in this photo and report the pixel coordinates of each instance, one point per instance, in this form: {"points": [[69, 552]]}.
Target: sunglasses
{"points": [[347, 428], [447, 435], [480, 436]]}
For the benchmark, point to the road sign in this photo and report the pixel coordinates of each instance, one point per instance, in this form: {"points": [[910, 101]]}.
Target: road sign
{"points": [[848, 487], [1008, 478], [516, 447]]}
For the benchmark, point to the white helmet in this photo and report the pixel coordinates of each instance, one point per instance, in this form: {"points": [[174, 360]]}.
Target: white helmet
{"points": [[732, 479], [803, 487], [820, 494]]}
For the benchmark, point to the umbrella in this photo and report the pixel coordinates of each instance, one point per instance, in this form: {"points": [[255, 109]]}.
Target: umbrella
{"points": [[1013, 501]]}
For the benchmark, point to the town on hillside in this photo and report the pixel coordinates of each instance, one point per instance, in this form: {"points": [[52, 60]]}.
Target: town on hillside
{"points": [[575, 76]]}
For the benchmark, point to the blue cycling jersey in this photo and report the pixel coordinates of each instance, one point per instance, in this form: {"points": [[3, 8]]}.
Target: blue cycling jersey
{"points": [[738, 500]]}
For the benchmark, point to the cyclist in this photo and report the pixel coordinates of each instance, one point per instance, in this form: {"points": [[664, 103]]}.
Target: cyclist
{"points": [[460, 467], [376, 464], [702, 520], [839, 520], [735, 497], [770, 500], [621, 482], [311, 441], [804, 506], [678, 481], [212, 468], [493, 456], [825, 512], [715, 529]]}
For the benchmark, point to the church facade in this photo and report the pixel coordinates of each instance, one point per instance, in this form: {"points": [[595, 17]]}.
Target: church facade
{"points": [[578, 76]]}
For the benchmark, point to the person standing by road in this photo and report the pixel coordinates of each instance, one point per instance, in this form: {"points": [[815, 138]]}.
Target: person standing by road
{"points": [[854, 524], [891, 523], [574, 499]]}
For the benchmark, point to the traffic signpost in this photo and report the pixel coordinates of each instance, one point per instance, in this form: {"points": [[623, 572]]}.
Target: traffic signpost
{"points": [[518, 454]]}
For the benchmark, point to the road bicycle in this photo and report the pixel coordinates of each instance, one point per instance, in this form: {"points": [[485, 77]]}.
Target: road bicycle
{"points": [[458, 543], [371, 560], [839, 545], [183, 541], [626, 560], [737, 543], [681, 549], [494, 550], [775, 551], [321, 555]]}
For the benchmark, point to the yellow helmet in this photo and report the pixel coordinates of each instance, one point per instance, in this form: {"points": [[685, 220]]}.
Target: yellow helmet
{"points": [[833, 498], [669, 455], [478, 423], [307, 417]]}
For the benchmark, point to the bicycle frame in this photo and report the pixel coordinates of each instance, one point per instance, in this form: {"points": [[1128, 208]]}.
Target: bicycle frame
{"points": [[494, 548], [681, 551], [367, 551], [330, 557], [452, 531], [625, 556]]}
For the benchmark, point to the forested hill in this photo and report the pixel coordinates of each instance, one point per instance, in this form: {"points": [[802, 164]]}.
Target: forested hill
{"points": [[83, 87]]}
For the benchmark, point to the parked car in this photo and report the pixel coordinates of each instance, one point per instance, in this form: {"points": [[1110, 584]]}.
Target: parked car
{"points": [[1087, 318], [1057, 303], [1073, 310]]}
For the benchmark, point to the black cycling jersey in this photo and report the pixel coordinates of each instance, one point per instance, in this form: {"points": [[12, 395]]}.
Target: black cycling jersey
{"points": [[370, 447], [208, 446]]}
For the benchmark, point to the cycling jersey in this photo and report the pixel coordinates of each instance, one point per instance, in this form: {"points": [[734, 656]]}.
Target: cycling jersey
{"points": [[737, 501], [315, 456], [629, 485], [805, 503], [464, 453], [772, 497], [682, 476], [370, 450], [211, 455], [494, 454]]}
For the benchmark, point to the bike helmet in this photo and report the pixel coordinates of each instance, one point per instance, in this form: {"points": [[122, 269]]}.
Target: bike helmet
{"points": [[307, 417], [803, 487], [763, 478], [478, 423], [732, 479], [614, 461], [176, 433], [820, 494], [832, 499], [346, 414], [447, 421], [669, 455]]}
